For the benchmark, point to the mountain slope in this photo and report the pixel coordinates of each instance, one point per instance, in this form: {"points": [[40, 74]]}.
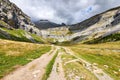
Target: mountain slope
{"points": [[20, 35], [99, 26], [91, 30]]}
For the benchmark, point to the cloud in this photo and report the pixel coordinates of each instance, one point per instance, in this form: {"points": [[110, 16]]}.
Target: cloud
{"points": [[67, 11]]}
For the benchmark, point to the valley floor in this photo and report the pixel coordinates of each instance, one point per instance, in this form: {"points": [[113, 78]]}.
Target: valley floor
{"points": [[72, 63]]}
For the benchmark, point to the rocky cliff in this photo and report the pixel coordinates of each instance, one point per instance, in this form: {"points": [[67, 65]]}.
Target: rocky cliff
{"points": [[98, 26], [15, 18]]}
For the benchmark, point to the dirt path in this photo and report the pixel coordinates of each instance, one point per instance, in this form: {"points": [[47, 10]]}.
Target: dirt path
{"points": [[36, 69], [33, 70], [57, 71], [92, 68]]}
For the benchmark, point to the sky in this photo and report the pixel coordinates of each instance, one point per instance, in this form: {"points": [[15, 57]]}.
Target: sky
{"points": [[64, 11]]}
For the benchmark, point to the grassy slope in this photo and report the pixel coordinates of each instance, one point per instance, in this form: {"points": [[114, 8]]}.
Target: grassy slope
{"points": [[14, 54], [19, 35], [105, 54]]}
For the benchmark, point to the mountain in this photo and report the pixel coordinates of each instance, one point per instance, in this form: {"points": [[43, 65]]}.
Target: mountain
{"points": [[45, 24], [102, 27], [16, 25]]}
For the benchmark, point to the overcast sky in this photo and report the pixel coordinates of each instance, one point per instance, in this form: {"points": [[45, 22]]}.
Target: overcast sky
{"points": [[67, 11]]}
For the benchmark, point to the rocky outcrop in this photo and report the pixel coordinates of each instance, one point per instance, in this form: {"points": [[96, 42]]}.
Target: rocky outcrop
{"points": [[58, 34], [85, 24], [15, 18]]}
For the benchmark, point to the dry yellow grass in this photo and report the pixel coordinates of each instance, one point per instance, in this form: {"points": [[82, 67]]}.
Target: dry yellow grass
{"points": [[17, 48], [108, 45], [95, 51]]}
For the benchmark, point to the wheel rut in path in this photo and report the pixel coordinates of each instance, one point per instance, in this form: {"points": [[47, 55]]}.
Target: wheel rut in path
{"points": [[57, 70]]}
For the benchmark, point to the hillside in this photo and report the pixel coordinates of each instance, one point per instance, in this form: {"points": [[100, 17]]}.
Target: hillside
{"points": [[20, 35]]}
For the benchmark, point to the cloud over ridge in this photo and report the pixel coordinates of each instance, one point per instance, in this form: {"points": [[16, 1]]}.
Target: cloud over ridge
{"points": [[68, 11]]}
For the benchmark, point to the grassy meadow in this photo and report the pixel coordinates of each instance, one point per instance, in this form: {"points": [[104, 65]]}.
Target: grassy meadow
{"points": [[105, 55], [15, 54]]}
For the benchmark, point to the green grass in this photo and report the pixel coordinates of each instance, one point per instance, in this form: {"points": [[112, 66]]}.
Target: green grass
{"points": [[105, 60], [101, 56], [3, 24], [50, 40], [49, 67], [65, 43], [17, 35], [8, 62], [37, 38]]}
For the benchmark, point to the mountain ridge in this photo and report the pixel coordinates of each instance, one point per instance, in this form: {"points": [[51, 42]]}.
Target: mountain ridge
{"points": [[45, 24]]}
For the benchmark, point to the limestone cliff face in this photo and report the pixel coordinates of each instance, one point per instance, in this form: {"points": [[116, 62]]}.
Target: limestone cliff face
{"points": [[15, 18], [58, 34], [99, 26]]}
